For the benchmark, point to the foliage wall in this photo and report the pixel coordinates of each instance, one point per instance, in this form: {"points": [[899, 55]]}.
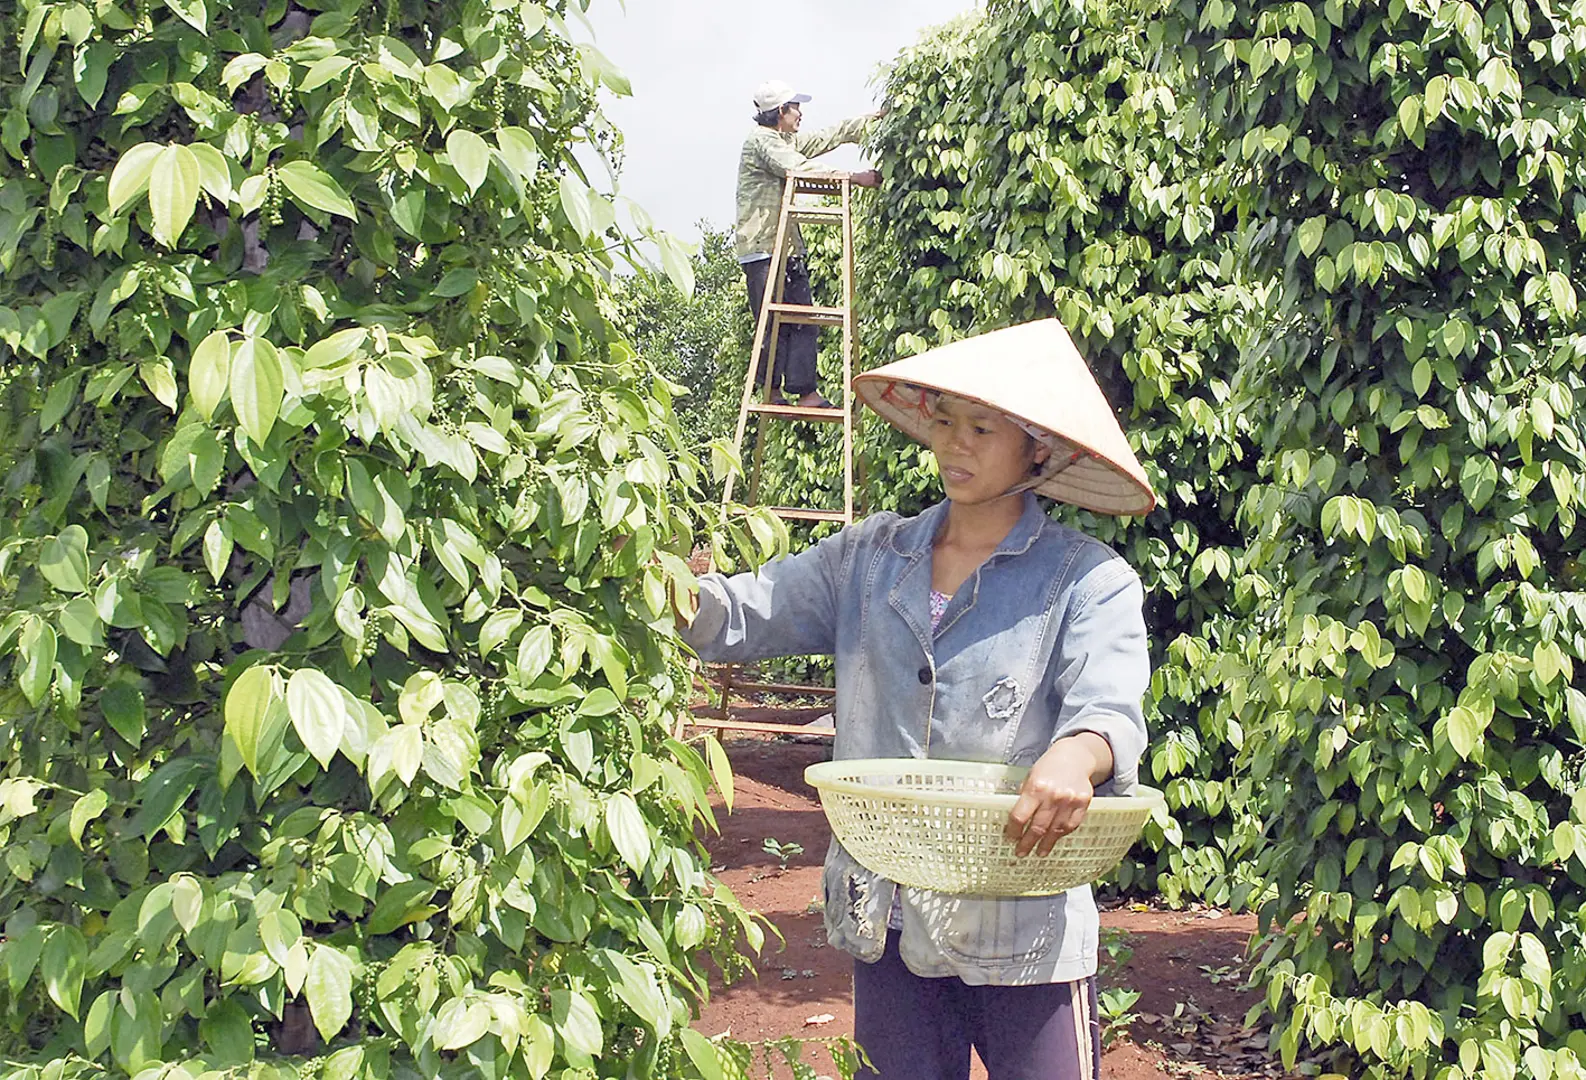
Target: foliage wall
{"points": [[1416, 171], [1334, 252], [338, 558]]}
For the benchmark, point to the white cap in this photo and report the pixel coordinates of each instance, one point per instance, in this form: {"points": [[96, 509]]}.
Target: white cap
{"points": [[774, 95]]}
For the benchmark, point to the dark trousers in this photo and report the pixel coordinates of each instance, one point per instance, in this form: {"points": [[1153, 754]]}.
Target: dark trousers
{"points": [[916, 1028], [795, 345]]}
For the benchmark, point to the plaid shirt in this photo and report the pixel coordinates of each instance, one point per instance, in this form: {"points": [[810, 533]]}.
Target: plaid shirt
{"points": [[768, 156]]}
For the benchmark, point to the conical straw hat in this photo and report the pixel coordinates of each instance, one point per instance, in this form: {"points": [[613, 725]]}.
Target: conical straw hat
{"points": [[1032, 373]]}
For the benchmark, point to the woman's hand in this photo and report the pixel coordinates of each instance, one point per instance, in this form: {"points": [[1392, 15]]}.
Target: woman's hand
{"points": [[1057, 793]]}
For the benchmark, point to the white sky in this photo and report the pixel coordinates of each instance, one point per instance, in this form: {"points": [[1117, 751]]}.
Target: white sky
{"points": [[694, 65]]}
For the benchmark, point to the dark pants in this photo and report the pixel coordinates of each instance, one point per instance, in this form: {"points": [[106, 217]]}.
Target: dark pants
{"points": [[795, 345], [915, 1028]]}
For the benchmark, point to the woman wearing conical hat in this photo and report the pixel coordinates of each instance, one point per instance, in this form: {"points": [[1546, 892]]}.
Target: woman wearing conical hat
{"points": [[979, 630]]}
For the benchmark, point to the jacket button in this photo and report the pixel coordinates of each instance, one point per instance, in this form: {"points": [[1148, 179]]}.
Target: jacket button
{"points": [[925, 676]]}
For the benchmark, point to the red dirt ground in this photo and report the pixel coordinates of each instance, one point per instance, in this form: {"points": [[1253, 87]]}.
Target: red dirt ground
{"points": [[1187, 965]]}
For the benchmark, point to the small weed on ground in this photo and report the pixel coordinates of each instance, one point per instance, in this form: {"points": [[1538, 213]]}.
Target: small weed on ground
{"points": [[1116, 1000], [1235, 973], [781, 852], [1117, 1013]]}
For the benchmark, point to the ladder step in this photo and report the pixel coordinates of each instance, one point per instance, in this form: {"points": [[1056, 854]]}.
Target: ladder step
{"points": [[700, 721], [799, 412], [809, 316], [786, 689], [800, 513], [816, 215], [817, 184]]}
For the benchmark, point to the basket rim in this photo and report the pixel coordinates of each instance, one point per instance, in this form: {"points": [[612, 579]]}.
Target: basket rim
{"points": [[820, 776]]}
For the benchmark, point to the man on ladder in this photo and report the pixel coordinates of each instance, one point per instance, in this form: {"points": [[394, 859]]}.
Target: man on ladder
{"points": [[772, 151], [774, 170]]}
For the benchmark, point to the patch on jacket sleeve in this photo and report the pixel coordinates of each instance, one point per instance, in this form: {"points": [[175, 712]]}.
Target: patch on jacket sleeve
{"points": [[1003, 699]]}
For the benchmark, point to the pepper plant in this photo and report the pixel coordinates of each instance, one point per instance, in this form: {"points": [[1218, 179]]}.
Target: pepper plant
{"points": [[341, 543], [1372, 468], [1415, 174]]}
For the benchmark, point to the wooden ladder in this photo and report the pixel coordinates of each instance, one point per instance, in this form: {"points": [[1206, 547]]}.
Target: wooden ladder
{"points": [[774, 314]]}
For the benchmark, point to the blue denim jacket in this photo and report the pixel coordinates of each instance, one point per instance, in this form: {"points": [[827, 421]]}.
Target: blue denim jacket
{"points": [[1045, 640]]}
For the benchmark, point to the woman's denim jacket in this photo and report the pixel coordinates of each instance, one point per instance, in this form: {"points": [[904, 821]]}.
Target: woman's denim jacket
{"points": [[1046, 639]]}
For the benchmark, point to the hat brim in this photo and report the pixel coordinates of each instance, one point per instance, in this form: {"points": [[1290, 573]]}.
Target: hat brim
{"points": [[1091, 467], [796, 99]]}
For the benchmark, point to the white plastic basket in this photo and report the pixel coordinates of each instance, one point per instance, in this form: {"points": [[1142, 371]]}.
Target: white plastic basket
{"points": [[938, 825]]}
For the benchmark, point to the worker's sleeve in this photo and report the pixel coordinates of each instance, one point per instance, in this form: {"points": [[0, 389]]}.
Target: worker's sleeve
{"points": [[787, 608], [779, 158], [1103, 669], [817, 143]]}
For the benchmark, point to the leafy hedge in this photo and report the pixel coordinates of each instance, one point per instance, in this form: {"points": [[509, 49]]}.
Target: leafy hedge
{"points": [[342, 540], [1327, 256], [1416, 173]]}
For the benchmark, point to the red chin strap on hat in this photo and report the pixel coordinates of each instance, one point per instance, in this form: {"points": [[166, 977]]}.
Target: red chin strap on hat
{"points": [[921, 406], [1045, 473], [1073, 459]]}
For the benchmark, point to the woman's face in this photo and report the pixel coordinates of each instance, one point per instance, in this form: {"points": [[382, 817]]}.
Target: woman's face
{"points": [[981, 453]]}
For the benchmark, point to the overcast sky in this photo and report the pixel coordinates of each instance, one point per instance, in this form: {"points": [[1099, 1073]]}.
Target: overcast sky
{"points": [[694, 65]]}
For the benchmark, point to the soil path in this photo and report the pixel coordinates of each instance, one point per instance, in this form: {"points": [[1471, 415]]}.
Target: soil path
{"points": [[1187, 965]]}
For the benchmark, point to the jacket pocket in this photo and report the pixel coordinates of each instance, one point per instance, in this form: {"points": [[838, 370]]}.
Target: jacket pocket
{"points": [[982, 930], [857, 904]]}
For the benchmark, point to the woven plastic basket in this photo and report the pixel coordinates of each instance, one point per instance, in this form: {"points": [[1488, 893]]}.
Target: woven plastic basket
{"points": [[938, 825]]}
